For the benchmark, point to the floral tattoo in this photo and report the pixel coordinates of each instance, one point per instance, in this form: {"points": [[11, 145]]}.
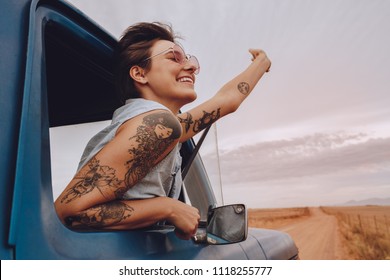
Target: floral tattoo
{"points": [[98, 177], [100, 216]]}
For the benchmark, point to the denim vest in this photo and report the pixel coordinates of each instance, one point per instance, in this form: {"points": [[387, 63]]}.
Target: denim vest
{"points": [[164, 178]]}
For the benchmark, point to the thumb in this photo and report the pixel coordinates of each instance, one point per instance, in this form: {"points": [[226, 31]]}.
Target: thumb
{"points": [[254, 53]]}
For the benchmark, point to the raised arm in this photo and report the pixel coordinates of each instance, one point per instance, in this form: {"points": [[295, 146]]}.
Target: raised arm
{"points": [[227, 99], [92, 198]]}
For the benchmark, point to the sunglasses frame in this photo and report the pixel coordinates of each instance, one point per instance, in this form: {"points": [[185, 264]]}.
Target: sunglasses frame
{"points": [[186, 57]]}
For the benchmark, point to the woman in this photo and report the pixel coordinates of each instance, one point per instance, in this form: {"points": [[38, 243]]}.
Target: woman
{"points": [[129, 174]]}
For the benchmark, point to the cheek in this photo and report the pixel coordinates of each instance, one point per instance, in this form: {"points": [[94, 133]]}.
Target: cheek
{"points": [[162, 80]]}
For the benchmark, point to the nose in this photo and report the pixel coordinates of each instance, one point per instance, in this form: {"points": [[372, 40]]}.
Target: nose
{"points": [[192, 64], [190, 67]]}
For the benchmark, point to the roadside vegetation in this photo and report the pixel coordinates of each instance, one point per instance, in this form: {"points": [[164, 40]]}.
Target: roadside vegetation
{"points": [[365, 230]]}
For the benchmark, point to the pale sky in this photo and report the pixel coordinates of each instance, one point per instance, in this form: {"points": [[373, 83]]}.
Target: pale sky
{"points": [[316, 129]]}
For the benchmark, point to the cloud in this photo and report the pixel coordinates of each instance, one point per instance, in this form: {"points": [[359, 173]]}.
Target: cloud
{"points": [[308, 156]]}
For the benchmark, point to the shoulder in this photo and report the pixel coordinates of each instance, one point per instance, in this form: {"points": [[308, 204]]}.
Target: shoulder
{"points": [[161, 123], [135, 107]]}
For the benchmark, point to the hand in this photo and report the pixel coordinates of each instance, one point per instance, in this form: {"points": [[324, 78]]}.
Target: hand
{"points": [[185, 218], [260, 55]]}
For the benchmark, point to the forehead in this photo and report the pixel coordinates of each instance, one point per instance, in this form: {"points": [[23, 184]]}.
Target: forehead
{"points": [[160, 46]]}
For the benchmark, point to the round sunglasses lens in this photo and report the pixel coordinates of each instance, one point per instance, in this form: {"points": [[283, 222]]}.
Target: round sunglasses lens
{"points": [[182, 58], [178, 52], [193, 60]]}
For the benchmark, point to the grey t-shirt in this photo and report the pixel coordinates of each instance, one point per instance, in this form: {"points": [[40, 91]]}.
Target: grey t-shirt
{"points": [[165, 178]]}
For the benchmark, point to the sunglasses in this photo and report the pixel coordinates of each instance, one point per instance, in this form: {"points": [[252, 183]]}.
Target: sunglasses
{"points": [[180, 57]]}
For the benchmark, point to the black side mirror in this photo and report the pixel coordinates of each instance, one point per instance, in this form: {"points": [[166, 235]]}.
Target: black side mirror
{"points": [[225, 225]]}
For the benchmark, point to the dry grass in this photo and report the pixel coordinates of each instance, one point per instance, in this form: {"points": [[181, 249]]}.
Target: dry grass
{"points": [[365, 230], [274, 218]]}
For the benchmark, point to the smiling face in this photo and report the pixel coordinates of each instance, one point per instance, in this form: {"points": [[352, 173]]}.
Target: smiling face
{"points": [[167, 81]]}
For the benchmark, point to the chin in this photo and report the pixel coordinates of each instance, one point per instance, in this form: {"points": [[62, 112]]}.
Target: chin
{"points": [[190, 97], [186, 101]]}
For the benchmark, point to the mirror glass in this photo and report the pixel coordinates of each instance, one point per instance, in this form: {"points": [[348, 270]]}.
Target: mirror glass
{"points": [[227, 224]]}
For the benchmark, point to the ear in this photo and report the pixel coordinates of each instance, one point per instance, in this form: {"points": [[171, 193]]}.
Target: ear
{"points": [[137, 73]]}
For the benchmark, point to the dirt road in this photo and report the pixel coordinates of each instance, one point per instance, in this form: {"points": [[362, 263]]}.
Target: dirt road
{"points": [[317, 237]]}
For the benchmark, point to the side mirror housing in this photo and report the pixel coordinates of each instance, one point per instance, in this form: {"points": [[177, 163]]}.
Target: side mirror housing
{"points": [[225, 225]]}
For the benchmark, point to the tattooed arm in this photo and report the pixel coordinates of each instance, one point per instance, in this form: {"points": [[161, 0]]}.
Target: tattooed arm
{"points": [[227, 99], [93, 198], [132, 214]]}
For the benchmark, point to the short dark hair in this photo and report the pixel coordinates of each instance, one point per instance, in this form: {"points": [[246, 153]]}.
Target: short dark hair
{"points": [[133, 48]]}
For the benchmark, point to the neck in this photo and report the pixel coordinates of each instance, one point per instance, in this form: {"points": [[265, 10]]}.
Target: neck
{"points": [[172, 106]]}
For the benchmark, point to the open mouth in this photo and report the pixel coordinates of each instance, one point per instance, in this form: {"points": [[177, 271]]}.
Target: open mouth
{"points": [[185, 80]]}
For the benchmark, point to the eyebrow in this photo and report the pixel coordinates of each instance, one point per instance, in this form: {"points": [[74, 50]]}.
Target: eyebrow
{"points": [[160, 53]]}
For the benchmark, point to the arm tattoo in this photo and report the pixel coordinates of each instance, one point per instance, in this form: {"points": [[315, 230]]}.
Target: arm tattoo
{"points": [[206, 120], [152, 139], [100, 216], [187, 121], [243, 88], [98, 177], [154, 136]]}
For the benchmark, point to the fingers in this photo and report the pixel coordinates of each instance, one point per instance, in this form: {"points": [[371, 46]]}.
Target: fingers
{"points": [[255, 53], [185, 219], [261, 55], [187, 232], [269, 67]]}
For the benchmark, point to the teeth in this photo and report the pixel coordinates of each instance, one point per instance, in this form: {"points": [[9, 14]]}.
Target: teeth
{"points": [[185, 79]]}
